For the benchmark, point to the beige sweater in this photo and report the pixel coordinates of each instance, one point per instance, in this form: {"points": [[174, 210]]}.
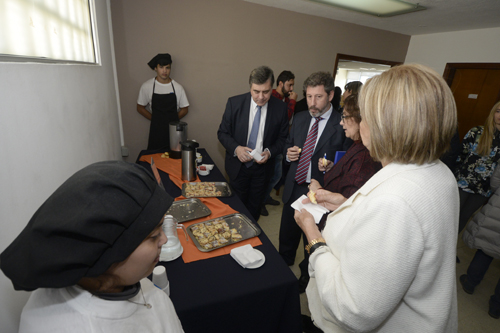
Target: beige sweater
{"points": [[390, 261]]}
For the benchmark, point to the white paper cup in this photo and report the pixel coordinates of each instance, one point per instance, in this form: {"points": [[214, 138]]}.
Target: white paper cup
{"points": [[160, 277]]}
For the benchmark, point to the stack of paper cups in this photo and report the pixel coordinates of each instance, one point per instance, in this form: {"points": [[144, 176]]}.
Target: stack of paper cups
{"points": [[160, 279]]}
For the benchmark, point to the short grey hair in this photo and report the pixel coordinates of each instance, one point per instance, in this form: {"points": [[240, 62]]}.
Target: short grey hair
{"points": [[261, 75], [320, 79]]}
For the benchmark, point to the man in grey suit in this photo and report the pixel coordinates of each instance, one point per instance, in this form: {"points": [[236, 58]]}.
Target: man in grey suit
{"points": [[253, 131], [314, 134]]}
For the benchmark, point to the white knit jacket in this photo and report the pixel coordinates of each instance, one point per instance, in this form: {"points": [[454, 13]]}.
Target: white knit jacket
{"points": [[390, 261]]}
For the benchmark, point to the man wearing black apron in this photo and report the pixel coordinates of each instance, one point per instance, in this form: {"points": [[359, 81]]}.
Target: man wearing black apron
{"points": [[165, 99]]}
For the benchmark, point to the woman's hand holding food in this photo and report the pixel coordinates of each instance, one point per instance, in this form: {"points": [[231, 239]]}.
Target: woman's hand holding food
{"points": [[324, 165], [327, 199]]}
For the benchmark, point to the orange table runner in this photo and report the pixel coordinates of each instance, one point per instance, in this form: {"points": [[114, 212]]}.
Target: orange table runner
{"points": [[173, 167]]}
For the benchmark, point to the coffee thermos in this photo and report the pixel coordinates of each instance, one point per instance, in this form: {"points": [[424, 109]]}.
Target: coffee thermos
{"points": [[188, 148], [177, 134]]}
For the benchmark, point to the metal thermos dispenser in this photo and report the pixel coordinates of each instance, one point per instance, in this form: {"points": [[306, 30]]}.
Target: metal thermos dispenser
{"points": [[189, 159], [177, 134]]}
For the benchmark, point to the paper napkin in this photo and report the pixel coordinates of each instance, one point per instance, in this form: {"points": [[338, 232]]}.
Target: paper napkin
{"points": [[245, 255], [317, 211]]}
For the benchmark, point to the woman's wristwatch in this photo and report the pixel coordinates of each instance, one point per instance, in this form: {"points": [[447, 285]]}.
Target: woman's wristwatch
{"points": [[314, 244]]}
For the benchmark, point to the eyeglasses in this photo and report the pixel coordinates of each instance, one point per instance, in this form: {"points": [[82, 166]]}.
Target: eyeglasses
{"points": [[343, 116]]}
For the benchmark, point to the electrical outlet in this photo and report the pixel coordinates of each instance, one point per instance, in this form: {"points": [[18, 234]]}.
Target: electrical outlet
{"points": [[124, 151]]}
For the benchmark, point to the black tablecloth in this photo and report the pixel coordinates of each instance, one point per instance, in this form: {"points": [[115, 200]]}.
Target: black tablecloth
{"points": [[218, 295]]}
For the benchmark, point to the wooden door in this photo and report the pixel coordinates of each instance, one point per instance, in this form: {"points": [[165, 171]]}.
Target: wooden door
{"points": [[476, 90]]}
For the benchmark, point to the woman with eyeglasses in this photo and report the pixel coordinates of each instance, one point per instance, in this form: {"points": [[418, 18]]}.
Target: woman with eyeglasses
{"points": [[351, 171]]}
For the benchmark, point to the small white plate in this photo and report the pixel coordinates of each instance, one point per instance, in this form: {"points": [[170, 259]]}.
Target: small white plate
{"points": [[258, 263]]}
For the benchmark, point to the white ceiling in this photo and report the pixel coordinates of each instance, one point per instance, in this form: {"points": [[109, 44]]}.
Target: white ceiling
{"points": [[440, 15]]}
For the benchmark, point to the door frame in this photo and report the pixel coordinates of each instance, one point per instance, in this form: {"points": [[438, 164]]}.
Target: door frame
{"points": [[341, 56], [451, 68]]}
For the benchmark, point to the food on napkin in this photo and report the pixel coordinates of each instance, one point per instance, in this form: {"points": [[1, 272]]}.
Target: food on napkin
{"points": [[312, 197], [245, 255], [317, 211]]}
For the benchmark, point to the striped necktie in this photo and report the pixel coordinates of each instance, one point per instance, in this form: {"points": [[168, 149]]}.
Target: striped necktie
{"points": [[307, 152]]}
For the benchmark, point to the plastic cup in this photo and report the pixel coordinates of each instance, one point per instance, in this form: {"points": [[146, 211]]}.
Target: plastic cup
{"points": [[160, 277]]}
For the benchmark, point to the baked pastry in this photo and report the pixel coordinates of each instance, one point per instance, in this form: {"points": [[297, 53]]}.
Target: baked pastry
{"points": [[214, 234], [201, 189], [312, 197]]}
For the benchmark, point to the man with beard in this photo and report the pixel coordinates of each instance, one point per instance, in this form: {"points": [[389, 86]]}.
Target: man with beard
{"points": [[314, 134], [284, 91], [253, 131]]}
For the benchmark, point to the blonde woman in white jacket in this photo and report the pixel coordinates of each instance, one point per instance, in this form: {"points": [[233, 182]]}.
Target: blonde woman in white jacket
{"points": [[385, 261]]}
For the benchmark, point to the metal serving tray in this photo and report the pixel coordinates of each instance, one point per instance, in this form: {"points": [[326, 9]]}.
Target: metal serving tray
{"points": [[238, 221], [189, 209], [206, 189]]}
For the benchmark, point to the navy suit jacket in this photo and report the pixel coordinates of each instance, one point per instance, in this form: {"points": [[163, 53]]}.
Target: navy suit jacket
{"points": [[332, 139], [233, 130]]}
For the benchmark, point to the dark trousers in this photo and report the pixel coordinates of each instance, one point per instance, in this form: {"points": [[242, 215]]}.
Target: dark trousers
{"points": [[476, 271], [250, 186], [276, 176], [290, 232], [469, 204]]}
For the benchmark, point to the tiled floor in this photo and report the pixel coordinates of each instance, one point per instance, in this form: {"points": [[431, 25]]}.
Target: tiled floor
{"points": [[472, 309]]}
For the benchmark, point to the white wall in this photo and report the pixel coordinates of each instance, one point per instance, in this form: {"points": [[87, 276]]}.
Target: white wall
{"points": [[214, 46], [54, 120], [435, 50], [341, 79]]}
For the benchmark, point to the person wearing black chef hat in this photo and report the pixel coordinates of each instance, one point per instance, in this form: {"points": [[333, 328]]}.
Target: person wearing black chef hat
{"points": [[161, 100], [87, 251]]}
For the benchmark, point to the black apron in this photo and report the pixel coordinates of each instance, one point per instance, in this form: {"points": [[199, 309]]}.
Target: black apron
{"points": [[163, 111]]}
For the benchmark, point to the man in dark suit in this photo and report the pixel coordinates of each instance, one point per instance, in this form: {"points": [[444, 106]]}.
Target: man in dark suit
{"points": [[313, 134], [253, 130]]}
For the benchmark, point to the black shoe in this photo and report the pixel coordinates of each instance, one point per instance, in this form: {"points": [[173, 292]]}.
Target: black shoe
{"points": [[263, 211], [466, 285], [494, 311], [272, 202], [303, 281], [308, 325]]}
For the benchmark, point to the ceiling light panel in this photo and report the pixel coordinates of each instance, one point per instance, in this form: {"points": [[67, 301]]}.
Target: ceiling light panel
{"points": [[380, 8]]}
